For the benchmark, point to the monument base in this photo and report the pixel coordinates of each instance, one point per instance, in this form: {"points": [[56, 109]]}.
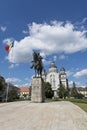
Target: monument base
{"points": [[37, 92]]}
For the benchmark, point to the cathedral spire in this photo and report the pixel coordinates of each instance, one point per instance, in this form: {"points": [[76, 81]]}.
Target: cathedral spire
{"points": [[52, 65]]}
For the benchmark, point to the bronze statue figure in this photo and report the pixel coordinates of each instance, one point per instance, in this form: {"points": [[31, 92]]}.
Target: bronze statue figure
{"points": [[37, 64]]}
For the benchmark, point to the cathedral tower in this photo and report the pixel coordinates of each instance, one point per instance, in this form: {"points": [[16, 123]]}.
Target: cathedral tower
{"points": [[53, 78], [63, 78]]}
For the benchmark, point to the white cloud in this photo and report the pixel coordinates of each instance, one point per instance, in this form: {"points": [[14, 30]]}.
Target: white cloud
{"points": [[81, 73], [70, 83], [3, 28], [13, 80], [78, 84], [84, 20], [23, 85], [26, 85], [69, 73], [46, 62], [13, 65], [55, 58], [7, 40], [25, 32], [54, 38], [62, 57]]}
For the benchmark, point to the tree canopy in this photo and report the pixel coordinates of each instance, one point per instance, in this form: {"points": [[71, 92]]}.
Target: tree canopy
{"points": [[74, 92], [2, 85], [62, 91], [48, 90]]}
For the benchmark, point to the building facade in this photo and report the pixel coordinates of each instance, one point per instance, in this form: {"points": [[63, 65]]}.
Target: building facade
{"points": [[24, 92], [83, 91], [54, 78]]}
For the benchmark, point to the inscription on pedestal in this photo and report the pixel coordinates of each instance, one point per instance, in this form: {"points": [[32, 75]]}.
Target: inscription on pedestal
{"points": [[37, 93]]}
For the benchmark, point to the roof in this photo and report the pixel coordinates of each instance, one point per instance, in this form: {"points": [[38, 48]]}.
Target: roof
{"points": [[24, 89], [62, 69], [82, 89], [52, 65]]}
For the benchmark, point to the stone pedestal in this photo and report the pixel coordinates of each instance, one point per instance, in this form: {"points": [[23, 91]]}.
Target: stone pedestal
{"points": [[37, 92]]}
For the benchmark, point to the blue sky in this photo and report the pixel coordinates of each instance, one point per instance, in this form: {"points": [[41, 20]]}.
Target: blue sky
{"points": [[57, 28]]}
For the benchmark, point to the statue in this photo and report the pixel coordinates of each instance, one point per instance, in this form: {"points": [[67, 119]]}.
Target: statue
{"points": [[37, 64]]}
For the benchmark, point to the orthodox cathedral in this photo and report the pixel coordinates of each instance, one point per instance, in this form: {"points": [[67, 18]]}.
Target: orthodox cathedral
{"points": [[54, 78]]}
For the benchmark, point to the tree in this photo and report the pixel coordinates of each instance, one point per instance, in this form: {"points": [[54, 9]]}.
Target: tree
{"points": [[2, 88], [12, 95], [2, 84], [80, 96], [74, 92], [48, 90], [62, 91]]}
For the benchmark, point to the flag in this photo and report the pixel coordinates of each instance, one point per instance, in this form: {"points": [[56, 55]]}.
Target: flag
{"points": [[9, 46]]}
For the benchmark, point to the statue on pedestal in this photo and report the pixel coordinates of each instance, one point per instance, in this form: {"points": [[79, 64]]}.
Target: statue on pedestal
{"points": [[37, 92], [37, 64]]}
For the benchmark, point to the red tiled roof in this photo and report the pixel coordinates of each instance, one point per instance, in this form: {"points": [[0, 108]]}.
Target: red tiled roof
{"points": [[24, 89]]}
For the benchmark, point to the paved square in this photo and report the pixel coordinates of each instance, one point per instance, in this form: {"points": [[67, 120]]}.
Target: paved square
{"points": [[25, 115]]}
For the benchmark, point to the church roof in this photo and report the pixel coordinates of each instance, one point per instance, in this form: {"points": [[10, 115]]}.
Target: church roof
{"points": [[62, 69], [52, 65]]}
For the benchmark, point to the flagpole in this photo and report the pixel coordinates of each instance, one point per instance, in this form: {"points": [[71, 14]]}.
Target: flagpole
{"points": [[8, 48], [7, 89]]}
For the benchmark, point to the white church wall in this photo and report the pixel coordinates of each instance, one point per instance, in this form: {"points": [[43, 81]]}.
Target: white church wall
{"points": [[53, 79]]}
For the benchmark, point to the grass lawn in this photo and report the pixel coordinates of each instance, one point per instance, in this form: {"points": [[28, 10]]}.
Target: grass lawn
{"points": [[82, 105]]}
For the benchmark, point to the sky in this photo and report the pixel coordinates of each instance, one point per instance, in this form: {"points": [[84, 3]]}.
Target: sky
{"points": [[55, 28]]}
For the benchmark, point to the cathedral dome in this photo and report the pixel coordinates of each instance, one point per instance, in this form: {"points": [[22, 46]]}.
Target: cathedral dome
{"points": [[53, 67], [62, 70]]}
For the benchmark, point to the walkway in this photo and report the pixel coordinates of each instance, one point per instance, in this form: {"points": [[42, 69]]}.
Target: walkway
{"points": [[25, 115]]}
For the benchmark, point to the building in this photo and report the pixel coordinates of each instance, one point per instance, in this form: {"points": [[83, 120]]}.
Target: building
{"points": [[83, 91], [54, 78], [63, 78], [24, 92]]}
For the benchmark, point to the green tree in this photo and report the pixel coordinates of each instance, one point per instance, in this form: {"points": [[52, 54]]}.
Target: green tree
{"points": [[12, 95], [2, 84], [74, 92], [80, 96], [2, 88], [48, 90], [62, 91]]}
